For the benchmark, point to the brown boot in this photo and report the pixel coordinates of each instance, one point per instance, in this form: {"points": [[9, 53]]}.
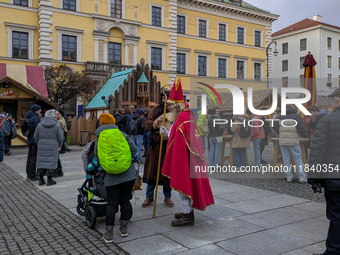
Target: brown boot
{"points": [[178, 215], [168, 202], [147, 202], [187, 219]]}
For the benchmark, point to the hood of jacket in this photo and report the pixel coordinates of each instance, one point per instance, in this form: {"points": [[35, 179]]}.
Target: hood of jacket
{"points": [[325, 111], [49, 122], [104, 127], [31, 114], [117, 114], [140, 111], [289, 110], [136, 115]]}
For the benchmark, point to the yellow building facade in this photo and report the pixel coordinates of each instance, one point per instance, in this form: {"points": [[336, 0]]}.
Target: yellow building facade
{"points": [[218, 41]]}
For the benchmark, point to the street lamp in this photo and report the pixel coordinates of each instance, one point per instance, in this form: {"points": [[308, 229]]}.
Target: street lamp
{"points": [[275, 52]]}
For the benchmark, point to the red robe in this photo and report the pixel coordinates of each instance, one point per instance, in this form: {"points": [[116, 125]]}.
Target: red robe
{"points": [[183, 157]]}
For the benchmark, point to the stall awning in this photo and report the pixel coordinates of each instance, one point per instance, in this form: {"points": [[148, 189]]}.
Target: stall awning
{"points": [[32, 77]]}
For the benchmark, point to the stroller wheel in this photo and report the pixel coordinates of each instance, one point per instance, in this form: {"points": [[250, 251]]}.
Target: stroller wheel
{"points": [[90, 216], [80, 209]]}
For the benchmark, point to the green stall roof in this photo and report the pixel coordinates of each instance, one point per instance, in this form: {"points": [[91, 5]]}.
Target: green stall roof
{"points": [[108, 89]]}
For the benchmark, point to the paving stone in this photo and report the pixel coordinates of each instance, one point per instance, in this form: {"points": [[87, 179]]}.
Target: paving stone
{"points": [[269, 242], [278, 217], [207, 249], [211, 232], [157, 244], [267, 203]]}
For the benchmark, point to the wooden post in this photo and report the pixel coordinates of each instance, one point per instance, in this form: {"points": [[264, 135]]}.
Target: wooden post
{"points": [[159, 158]]}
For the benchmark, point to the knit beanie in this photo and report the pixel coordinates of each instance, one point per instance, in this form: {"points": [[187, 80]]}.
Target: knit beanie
{"points": [[106, 118], [140, 111], [50, 113], [2, 116], [35, 108], [147, 109]]}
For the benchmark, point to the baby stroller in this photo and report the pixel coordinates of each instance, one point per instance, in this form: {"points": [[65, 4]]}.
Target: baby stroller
{"points": [[92, 194]]}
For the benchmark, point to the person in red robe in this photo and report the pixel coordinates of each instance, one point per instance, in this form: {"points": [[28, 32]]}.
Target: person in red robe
{"points": [[184, 163]]}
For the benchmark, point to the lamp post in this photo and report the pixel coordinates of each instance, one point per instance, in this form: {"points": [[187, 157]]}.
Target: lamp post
{"points": [[275, 52]]}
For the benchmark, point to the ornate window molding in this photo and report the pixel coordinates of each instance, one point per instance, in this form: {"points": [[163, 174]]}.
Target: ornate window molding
{"points": [[162, 12]]}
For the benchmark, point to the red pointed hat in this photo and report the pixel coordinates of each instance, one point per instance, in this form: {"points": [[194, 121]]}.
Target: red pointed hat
{"points": [[176, 93]]}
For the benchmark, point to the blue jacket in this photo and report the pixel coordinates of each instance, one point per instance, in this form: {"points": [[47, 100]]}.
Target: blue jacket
{"points": [[33, 121]]}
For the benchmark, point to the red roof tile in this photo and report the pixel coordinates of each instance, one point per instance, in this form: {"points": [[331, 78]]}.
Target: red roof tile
{"points": [[301, 25]]}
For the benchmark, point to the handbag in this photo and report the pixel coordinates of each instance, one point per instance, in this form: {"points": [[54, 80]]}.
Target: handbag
{"points": [[138, 181]]}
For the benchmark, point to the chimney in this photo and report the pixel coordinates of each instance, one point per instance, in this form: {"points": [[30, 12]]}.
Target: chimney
{"points": [[317, 18]]}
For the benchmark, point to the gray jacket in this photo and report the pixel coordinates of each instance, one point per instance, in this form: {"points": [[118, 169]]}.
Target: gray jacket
{"points": [[288, 134], [49, 137], [8, 127], [128, 175]]}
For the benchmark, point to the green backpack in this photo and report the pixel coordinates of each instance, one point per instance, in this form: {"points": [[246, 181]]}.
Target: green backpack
{"points": [[113, 151]]}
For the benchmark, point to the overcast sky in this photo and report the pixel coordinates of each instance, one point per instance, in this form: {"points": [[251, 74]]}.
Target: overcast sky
{"points": [[292, 11]]}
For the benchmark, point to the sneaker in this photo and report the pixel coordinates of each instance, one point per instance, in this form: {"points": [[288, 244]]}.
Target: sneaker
{"points": [[41, 182], [302, 180], [123, 228], [108, 235], [289, 179], [51, 182]]}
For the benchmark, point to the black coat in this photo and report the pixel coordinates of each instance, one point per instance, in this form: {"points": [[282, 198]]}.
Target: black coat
{"points": [[325, 149], [33, 121], [218, 129]]}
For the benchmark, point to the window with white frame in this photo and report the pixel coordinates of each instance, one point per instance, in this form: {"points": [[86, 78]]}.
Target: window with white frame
{"points": [[329, 80], [180, 24], [69, 5], [156, 12], [257, 38], [115, 53], [284, 65], [284, 82], [302, 81], [181, 63], [21, 2], [221, 32], [222, 68], [202, 28], [19, 45], [302, 59], [156, 58], [69, 48], [202, 65], [329, 43], [240, 35], [284, 48], [329, 61], [303, 44], [116, 8], [20, 40], [240, 69], [69, 43], [257, 71]]}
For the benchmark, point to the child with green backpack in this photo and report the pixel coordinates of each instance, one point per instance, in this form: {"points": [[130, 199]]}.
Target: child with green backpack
{"points": [[114, 150]]}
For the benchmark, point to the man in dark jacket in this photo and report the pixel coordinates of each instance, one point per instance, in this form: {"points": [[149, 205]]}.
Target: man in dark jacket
{"points": [[9, 131], [33, 117], [325, 150], [289, 142], [137, 129], [215, 138], [314, 110], [123, 123]]}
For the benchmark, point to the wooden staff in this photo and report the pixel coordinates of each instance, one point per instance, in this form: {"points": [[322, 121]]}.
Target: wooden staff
{"points": [[160, 155]]}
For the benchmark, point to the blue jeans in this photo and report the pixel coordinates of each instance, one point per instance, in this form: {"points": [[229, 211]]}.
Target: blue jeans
{"points": [[203, 141], [215, 152], [150, 190], [297, 156], [239, 155], [257, 152], [146, 141], [138, 139]]}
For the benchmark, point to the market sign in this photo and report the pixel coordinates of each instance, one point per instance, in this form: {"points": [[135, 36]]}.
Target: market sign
{"points": [[8, 93]]}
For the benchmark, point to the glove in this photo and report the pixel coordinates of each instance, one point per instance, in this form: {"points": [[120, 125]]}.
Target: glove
{"points": [[163, 130]]}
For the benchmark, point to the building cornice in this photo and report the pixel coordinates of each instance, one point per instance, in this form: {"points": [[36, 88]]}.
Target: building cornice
{"points": [[229, 11], [222, 55], [20, 25], [306, 30], [157, 43], [203, 52], [18, 7], [123, 21], [73, 30]]}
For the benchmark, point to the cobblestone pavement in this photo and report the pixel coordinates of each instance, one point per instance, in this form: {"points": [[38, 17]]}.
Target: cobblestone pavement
{"points": [[31, 222]]}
